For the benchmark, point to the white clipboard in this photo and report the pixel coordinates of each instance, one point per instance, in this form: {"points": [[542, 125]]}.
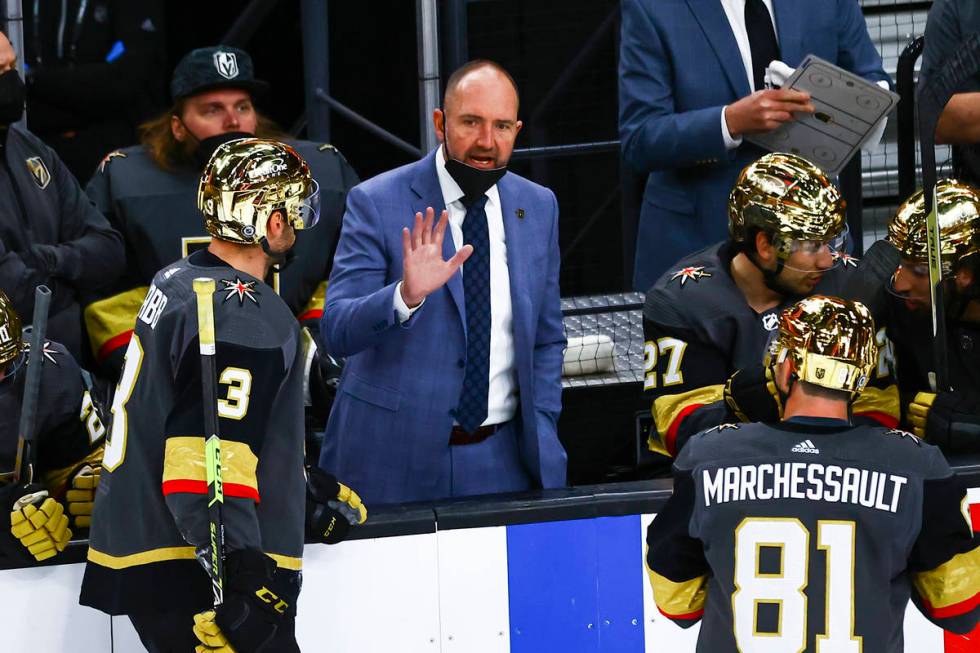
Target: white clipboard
{"points": [[848, 108]]}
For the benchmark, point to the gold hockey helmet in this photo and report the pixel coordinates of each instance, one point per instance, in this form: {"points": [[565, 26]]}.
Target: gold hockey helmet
{"points": [[790, 198], [831, 341], [11, 341], [249, 178], [958, 206]]}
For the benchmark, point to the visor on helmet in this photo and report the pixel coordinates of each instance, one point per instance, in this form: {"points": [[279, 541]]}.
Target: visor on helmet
{"points": [[812, 250], [308, 210]]}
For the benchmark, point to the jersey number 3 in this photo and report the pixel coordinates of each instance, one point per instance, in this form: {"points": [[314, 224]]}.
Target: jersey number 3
{"points": [[233, 406], [780, 590]]}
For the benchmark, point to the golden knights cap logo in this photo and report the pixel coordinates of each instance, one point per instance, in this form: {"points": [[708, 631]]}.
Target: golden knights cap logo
{"points": [[226, 63], [39, 171]]}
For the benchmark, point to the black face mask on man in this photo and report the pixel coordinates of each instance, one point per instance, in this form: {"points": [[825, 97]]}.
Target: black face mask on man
{"points": [[474, 182], [12, 96], [206, 146]]}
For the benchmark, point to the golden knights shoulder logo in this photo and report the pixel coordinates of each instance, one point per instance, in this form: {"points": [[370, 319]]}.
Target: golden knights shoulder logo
{"points": [[109, 157], [695, 274], [39, 171], [242, 289]]}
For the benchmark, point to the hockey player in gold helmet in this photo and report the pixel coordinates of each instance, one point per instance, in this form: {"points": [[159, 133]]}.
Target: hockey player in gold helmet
{"points": [[829, 342], [254, 195], [708, 320], [812, 481], [39, 512], [900, 266]]}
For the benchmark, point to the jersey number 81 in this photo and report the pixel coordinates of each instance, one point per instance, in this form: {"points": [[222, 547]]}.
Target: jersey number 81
{"points": [[783, 589]]}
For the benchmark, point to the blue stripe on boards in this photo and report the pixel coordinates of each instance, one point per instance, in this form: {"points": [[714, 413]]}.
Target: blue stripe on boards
{"points": [[566, 580], [620, 566], [551, 573]]}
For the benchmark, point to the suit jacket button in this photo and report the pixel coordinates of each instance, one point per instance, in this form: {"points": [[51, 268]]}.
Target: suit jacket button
{"points": [[460, 363]]}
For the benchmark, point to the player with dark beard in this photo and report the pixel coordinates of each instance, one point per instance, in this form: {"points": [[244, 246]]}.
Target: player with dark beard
{"points": [[896, 276], [707, 321]]}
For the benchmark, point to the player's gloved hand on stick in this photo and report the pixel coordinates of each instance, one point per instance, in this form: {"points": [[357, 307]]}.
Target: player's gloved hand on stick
{"points": [[752, 395], [256, 599], [37, 524], [950, 420], [207, 632], [80, 496], [331, 507]]}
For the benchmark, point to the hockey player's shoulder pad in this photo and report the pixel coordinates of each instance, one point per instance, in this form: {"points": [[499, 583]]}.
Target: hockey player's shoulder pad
{"points": [[107, 159], [693, 290], [313, 151], [708, 444], [898, 450], [839, 279]]}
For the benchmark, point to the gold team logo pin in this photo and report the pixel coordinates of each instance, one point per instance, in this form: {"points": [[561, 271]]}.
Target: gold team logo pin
{"points": [[39, 171]]}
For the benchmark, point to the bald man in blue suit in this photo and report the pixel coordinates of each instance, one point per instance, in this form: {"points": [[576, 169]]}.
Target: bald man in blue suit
{"points": [[451, 325], [690, 90]]}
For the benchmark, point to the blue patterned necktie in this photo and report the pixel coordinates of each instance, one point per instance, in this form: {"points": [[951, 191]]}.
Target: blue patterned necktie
{"points": [[471, 411]]}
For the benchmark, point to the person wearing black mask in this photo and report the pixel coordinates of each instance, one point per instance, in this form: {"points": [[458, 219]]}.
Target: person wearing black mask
{"points": [[49, 231], [451, 327], [148, 192]]}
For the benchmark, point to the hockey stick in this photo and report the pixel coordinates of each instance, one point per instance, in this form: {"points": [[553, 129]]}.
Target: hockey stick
{"points": [[26, 451], [204, 290], [931, 99]]}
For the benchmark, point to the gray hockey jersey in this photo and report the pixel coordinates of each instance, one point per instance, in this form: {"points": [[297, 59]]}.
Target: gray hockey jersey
{"points": [[779, 536], [150, 519]]}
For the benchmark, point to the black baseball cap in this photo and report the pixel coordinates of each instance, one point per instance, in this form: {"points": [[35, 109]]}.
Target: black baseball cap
{"points": [[206, 69]]}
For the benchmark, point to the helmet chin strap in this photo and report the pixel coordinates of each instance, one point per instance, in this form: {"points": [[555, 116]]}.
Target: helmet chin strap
{"points": [[280, 260], [771, 277]]}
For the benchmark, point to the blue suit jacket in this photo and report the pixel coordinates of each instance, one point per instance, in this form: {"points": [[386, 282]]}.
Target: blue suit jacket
{"points": [[679, 66], [389, 428]]}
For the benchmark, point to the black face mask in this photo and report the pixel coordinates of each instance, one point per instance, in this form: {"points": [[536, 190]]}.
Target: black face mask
{"points": [[206, 147], [12, 96], [474, 182]]}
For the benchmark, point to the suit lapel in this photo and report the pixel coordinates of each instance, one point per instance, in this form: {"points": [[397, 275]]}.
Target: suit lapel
{"points": [[714, 23], [429, 193], [516, 233], [789, 17]]}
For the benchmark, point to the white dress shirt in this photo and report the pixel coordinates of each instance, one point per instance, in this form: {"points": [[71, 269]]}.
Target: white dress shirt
{"points": [[735, 10], [503, 399]]}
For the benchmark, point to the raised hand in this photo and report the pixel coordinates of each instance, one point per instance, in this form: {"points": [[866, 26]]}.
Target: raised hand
{"points": [[425, 271]]}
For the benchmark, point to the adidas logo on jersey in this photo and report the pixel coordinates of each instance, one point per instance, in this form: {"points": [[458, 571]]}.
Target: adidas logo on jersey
{"points": [[806, 446]]}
